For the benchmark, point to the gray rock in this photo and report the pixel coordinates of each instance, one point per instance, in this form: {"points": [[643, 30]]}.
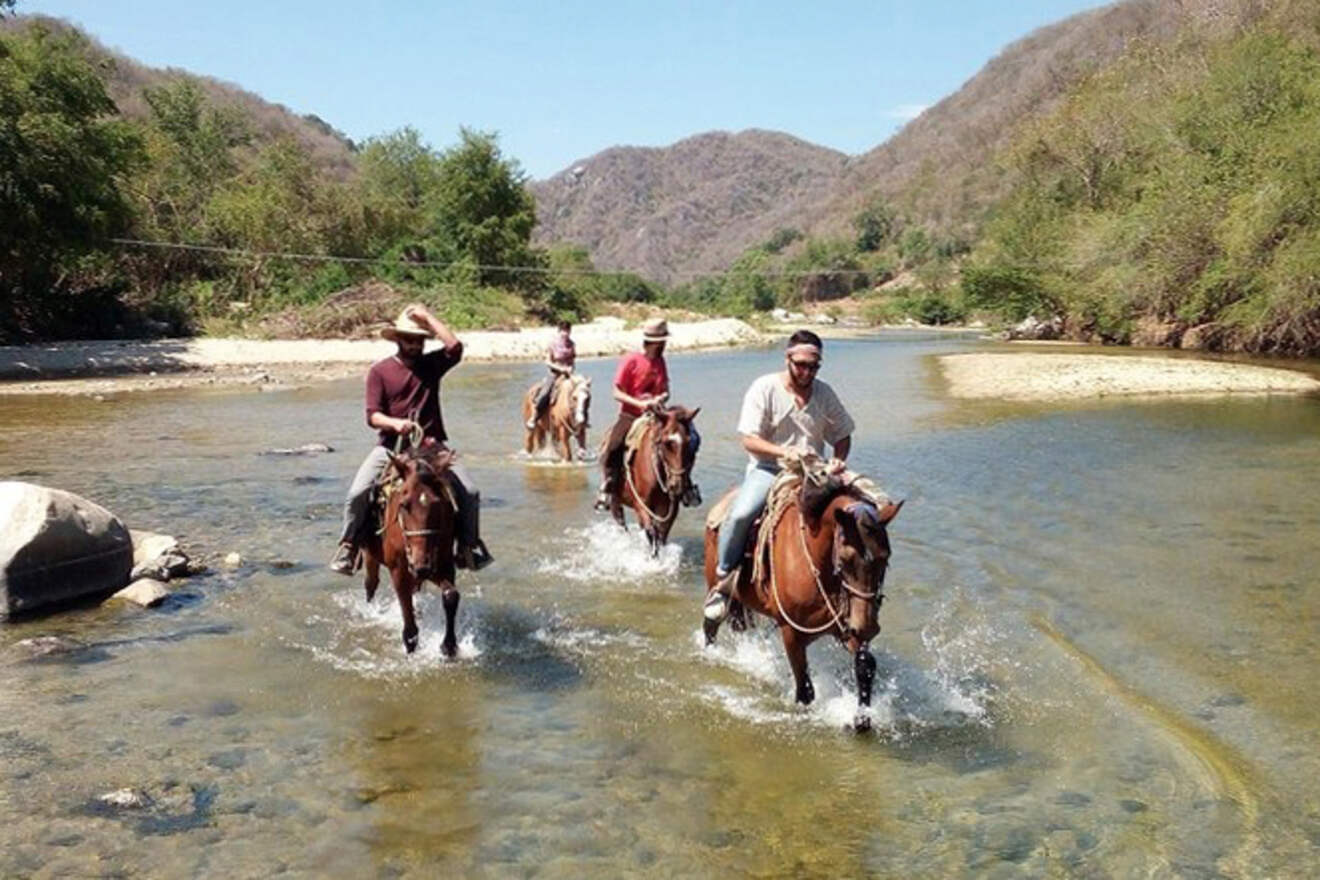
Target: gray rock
{"points": [[1032, 327], [127, 799], [146, 592], [305, 449], [56, 547]]}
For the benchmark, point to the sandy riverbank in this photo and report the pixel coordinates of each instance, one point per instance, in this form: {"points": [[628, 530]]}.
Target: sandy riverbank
{"points": [[115, 366], [1044, 376]]}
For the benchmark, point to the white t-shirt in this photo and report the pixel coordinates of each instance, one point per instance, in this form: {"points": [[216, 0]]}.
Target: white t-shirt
{"points": [[770, 411]]}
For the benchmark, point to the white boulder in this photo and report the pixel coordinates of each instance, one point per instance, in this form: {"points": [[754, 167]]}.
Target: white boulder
{"points": [[56, 547]]}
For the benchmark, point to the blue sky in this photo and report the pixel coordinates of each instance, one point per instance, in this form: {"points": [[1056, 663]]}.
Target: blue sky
{"points": [[562, 81]]}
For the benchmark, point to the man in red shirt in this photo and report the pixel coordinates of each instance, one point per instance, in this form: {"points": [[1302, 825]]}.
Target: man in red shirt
{"points": [[640, 383], [403, 398]]}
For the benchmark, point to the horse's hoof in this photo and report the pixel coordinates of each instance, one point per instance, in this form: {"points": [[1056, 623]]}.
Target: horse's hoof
{"points": [[450, 649], [862, 723], [711, 628], [410, 645]]}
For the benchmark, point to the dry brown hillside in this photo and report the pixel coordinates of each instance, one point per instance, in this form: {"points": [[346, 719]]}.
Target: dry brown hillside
{"points": [[127, 78], [696, 205]]}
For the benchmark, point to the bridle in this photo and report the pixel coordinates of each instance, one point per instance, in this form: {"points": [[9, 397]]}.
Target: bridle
{"points": [[836, 615], [676, 476]]}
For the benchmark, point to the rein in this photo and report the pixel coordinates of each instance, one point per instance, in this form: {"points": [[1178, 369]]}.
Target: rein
{"points": [[655, 468], [836, 616]]}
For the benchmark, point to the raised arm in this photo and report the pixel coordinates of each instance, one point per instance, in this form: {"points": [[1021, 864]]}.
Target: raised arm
{"points": [[422, 316]]}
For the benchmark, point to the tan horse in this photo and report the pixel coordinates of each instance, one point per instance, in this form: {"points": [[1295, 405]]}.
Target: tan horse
{"points": [[657, 473], [824, 575], [565, 418], [415, 540]]}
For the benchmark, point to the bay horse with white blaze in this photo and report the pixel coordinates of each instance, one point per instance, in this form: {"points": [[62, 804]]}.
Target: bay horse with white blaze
{"points": [[565, 419], [658, 473], [822, 572], [417, 513]]}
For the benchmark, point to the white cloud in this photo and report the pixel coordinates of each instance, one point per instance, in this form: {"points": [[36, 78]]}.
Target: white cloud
{"points": [[907, 112]]}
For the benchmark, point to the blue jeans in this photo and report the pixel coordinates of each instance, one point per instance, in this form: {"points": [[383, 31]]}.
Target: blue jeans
{"points": [[748, 504]]}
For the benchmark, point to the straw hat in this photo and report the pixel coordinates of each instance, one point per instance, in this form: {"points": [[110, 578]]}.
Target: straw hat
{"points": [[655, 330], [405, 326]]}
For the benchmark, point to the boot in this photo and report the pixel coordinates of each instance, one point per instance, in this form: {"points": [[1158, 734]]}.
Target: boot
{"points": [[716, 606], [691, 495], [605, 495], [345, 560]]}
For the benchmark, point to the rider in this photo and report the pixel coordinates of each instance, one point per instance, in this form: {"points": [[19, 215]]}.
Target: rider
{"points": [[640, 383], [559, 358], [403, 396], [788, 411]]}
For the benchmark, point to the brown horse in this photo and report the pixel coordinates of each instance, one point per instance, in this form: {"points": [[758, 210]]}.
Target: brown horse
{"points": [[416, 538], [564, 419], [657, 475], [824, 574]]}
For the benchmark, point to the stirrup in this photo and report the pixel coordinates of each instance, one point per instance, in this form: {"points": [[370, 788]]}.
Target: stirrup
{"points": [[716, 607], [345, 560]]}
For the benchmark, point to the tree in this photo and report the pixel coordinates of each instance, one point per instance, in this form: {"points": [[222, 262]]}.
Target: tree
{"points": [[63, 153], [483, 212], [874, 225]]}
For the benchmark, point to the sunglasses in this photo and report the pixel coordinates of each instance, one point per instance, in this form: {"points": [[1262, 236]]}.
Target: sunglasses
{"points": [[811, 366]]}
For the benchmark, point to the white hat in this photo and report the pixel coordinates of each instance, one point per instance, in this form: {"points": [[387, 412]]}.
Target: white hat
{"points": [[655, 330], [406, 326]]}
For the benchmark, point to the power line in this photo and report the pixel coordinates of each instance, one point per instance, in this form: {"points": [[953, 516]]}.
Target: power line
{"points": [[483, 267]]}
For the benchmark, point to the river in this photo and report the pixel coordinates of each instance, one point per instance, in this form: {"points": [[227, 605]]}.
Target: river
{"points": [[1096, 659]]}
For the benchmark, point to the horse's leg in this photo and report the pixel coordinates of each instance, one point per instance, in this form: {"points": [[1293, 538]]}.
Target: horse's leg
{"points": [[795, 645], [864, 667], [403, 588], [450, 597], [372, 566], [565, 443]]}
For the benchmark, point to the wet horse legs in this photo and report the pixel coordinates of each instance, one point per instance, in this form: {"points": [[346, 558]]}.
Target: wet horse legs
{"points": [[796, 647], [403, 588], [864, 667], [450, 597]]}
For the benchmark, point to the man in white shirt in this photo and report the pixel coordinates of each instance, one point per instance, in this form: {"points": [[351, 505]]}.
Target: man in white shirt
{"points": [[781, 413]]}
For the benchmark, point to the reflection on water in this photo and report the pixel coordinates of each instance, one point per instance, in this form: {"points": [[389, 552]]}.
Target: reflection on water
{"points": [[1095, 658]]}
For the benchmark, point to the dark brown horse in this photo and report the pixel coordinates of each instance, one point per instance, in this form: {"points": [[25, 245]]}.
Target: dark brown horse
{"points": [[824, 575], [657, 475], [415, 540]]}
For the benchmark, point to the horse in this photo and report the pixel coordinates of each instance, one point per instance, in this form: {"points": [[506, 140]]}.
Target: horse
{"points": [[656, 475], [417, 514], [564, 419], [823, 572]]}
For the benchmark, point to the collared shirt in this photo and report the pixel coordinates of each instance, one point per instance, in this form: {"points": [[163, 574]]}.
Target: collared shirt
{"points": [[640, 376], [771, 412], [412, 392]]}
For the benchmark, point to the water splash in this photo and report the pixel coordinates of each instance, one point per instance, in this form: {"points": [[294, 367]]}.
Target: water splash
{"points": [[366, 639], [604, 552]]}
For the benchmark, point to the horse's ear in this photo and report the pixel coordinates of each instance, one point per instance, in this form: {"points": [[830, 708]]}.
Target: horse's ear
{"points": [[692, 414], [889, 511]]}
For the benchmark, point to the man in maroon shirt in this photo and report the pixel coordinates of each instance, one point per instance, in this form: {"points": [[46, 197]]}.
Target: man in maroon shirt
{"points": [[640, 383], [403, 398]]}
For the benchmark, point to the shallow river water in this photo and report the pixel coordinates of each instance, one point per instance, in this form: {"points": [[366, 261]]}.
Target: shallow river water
{"points": [[1097, 657]]}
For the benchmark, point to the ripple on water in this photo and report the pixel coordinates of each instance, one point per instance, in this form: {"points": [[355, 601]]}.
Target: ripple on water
{"points": [[604, 552]]}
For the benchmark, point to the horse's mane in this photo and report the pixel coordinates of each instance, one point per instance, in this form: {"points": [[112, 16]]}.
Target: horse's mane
{"points": [[814, 497]]}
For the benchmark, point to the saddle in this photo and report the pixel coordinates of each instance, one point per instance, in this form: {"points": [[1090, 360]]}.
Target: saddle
{"points": [[784, 493], [390, 481]]}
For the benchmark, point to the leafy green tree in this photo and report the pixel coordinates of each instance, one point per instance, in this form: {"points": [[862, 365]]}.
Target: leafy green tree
{"points": [[874, 224], [63, 154], [483, 213]]}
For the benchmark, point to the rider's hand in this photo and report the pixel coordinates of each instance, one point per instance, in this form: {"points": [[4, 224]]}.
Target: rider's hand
{"points": [[406, 426], [836, 466]]}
